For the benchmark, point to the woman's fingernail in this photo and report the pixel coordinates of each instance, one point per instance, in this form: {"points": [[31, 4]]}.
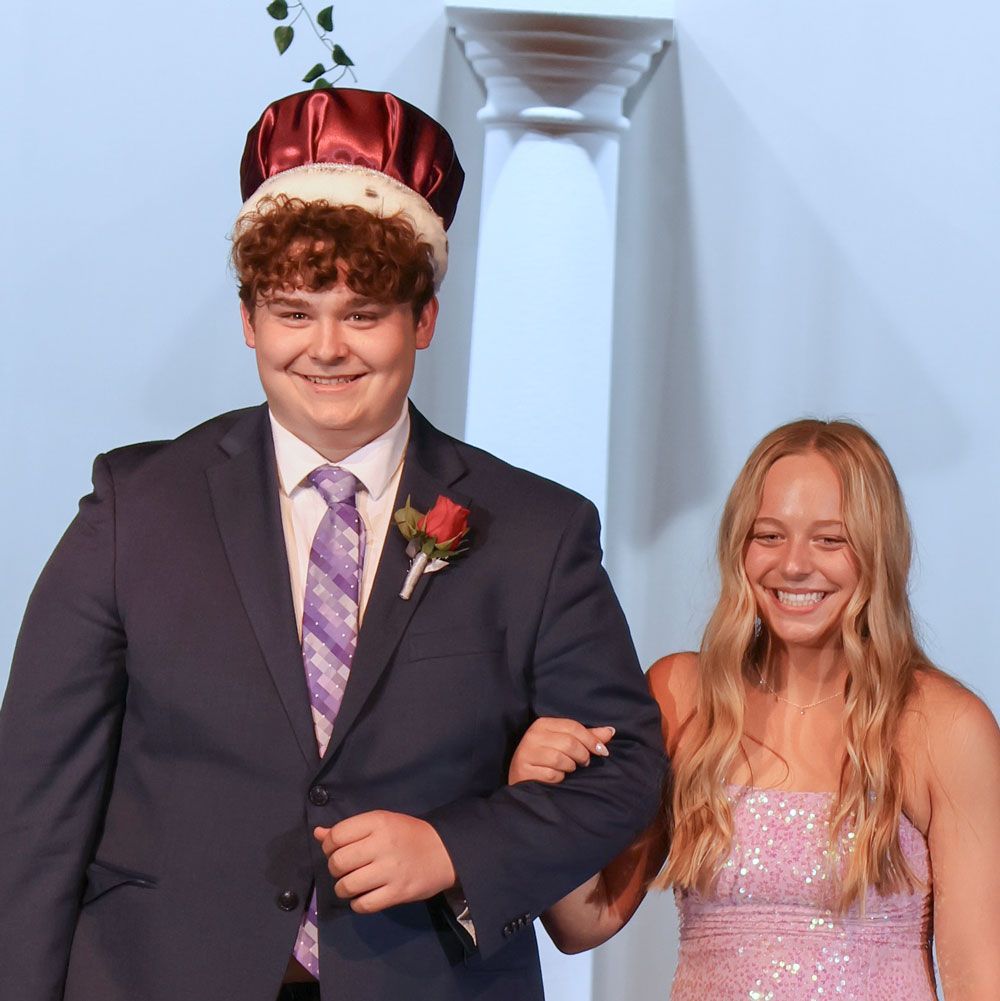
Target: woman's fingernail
{"points": [[601, 750], [613, 730]]}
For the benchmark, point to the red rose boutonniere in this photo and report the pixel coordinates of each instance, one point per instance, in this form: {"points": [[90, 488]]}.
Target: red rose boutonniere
{"points": [[434, 538]]}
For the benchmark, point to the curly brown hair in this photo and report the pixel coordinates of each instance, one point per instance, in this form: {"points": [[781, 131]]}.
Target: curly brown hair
{"points": [[288, 243]]}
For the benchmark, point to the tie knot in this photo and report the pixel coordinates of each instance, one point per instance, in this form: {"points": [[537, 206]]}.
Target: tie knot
{"points": [[336, 485]]}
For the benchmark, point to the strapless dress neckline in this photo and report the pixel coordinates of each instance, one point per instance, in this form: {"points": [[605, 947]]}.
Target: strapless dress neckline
{"points": [[768, 931]]}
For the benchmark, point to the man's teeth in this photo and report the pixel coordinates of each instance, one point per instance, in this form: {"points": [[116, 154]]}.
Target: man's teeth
{"points": [[336, 380], [800, 600]]}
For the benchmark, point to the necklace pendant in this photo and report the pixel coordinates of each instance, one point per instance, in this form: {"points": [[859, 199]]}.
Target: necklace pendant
{"points": [[802, 712]]}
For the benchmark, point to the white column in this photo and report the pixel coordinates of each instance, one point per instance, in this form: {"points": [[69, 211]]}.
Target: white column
{"points": [[539, 390], [540, 365]]}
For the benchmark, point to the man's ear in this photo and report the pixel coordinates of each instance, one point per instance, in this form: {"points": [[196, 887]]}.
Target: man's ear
{"points": [[426, 323], [248, 334]]}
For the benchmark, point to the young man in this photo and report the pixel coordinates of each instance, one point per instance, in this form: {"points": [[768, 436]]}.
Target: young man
{"points": [[236, 763]]}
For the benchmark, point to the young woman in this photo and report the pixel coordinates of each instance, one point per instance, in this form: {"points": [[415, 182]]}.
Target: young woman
{"points": [[832, 789]]}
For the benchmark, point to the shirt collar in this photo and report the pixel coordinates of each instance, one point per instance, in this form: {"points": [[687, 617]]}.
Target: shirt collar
{"points": [[374, 464]]}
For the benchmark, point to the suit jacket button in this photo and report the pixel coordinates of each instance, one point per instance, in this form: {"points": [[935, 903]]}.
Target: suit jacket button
{"points": [[288, 900], [508, 930], [318, 796]]}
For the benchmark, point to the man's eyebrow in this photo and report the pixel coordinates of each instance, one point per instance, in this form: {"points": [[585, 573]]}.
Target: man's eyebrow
{"points": [[287, 300]]}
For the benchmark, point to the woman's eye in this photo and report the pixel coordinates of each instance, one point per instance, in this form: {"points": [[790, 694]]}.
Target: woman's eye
{"points": [[766, 537], [832, 540]]}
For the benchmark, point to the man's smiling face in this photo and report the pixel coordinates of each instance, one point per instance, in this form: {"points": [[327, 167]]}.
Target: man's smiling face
{"points": [[336, 366]]}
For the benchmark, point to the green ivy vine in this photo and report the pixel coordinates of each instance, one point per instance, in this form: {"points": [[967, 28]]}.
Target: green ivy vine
{"points": [[322, 25]]}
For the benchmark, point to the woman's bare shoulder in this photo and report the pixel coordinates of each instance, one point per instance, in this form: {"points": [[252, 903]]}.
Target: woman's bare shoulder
{"points": [[939, 702], [673, 682], [948, 732]]}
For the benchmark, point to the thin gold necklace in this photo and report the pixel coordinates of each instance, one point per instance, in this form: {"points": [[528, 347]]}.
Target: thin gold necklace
{"points": [[781, 698]]}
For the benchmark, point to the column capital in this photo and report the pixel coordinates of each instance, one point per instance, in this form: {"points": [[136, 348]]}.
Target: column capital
{"points": [[557, 72]]}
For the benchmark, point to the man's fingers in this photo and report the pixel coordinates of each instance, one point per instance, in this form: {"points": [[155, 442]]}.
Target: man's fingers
{"points": [[354, 828], [351, 857], [326, 842], [334, 840], [363, 880], [374, 901]]}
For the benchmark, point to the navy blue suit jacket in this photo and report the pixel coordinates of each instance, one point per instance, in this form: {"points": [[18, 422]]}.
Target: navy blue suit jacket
{"points": [[159, 778]]}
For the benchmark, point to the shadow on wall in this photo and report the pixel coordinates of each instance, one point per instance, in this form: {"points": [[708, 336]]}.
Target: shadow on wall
{"points": [[661, 452], [441, 383]]}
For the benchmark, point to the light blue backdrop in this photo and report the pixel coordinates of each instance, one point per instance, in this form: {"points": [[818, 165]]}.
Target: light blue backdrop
{"points": [[810, 210]]}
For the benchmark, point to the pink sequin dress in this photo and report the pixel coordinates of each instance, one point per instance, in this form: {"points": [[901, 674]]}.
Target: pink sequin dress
{"points": [[767, 933]]}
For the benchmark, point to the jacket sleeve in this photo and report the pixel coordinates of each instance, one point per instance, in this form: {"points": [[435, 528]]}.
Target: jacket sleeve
{"points": [[59, 730], [524, 847]]}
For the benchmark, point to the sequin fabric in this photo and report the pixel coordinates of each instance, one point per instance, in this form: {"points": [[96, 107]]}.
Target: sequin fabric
{"points": [[768, 933]]}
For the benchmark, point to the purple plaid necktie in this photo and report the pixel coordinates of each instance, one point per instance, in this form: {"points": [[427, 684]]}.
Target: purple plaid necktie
{"points": [[329, 632]]}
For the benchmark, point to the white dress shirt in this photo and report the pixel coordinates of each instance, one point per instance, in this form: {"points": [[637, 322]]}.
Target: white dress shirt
{"points": [[377, 467]]}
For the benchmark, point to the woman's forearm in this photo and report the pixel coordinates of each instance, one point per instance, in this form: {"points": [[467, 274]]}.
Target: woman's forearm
{"points": [[584, 918], [599, 908]]}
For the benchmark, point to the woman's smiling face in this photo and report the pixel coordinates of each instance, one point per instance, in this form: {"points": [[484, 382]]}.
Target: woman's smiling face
{"points": [[798, 560]]}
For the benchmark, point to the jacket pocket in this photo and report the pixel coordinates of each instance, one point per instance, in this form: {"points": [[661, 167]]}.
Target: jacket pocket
{"points": [[102, 877], [453, 643]]}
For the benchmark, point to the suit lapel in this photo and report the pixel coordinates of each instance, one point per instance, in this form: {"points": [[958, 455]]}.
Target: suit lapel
{"points": [[431, 468], [244, 491]]}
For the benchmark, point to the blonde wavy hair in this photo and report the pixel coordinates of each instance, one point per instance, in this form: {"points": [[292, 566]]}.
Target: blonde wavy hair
{"points": [[881, 653]]}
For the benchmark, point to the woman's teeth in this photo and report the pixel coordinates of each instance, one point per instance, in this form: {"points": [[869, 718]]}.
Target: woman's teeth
{"points": [[800, 600]]}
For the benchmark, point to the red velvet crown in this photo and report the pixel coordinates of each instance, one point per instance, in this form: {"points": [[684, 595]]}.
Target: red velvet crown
{"points": [[355, 128], [356, 147]]}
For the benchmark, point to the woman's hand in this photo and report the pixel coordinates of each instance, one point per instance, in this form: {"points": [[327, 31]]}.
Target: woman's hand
{"points": [[552, 747]]}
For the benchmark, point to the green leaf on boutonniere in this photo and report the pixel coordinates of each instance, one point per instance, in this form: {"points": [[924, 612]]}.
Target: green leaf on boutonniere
{"points": [[325, 19], [407, 518], [278, 10], [283, 37]]}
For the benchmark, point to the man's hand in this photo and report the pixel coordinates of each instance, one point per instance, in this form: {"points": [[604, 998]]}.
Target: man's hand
{"points": [[380, 859]]}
